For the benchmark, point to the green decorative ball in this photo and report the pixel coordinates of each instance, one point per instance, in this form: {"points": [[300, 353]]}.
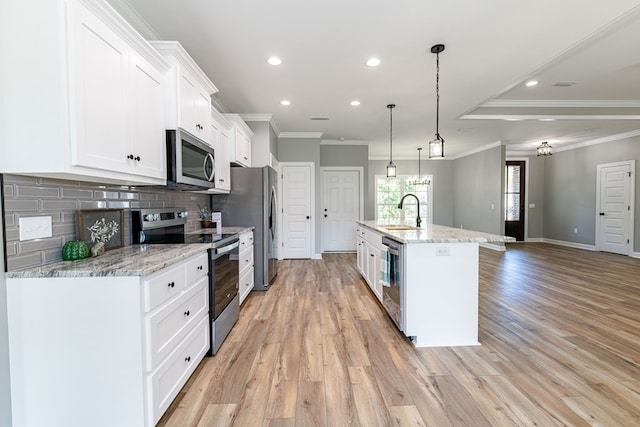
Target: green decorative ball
{"points": [[75, 249]]}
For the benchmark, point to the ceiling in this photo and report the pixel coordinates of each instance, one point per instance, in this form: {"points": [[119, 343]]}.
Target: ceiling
{"points": [[584, 54]]}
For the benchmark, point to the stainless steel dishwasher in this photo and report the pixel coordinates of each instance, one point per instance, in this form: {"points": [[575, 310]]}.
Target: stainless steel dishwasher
{"points": [[393, 293]]}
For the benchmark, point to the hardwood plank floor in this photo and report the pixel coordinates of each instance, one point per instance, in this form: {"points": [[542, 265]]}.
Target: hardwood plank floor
{"points": [[560, 345]]}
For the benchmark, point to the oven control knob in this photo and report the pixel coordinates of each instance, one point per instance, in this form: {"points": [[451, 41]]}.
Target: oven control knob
{"points": [[156, 217], [148, 218]]}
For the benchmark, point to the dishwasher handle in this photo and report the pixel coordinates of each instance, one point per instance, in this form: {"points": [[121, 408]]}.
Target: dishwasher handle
{"points": [[392, 246]]}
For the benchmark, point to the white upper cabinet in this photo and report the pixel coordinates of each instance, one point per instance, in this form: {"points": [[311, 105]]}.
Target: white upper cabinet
{"points": [[220, 130], [188, 92], [99, 91], [240, 140]]}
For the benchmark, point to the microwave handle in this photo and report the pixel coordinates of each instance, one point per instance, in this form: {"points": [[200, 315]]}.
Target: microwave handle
{"points": [[209, 159]]}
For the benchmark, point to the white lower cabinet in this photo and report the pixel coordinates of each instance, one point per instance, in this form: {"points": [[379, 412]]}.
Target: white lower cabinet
{"points": [[105, 351], [369, 249], [245, 262]]}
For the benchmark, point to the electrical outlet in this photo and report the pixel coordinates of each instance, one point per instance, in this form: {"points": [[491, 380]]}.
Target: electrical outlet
{"points": [[493, 206], [575, 230], [442, 251], [532, 205], [35, 227]]}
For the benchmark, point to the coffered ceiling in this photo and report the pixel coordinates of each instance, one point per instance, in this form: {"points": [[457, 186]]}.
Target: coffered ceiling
{"points": [[585, 56]]}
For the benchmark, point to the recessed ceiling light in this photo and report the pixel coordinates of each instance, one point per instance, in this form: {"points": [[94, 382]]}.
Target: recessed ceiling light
{"points": [[274, 60], [547, 120], [512, 120], [285, 102], [355, 103], [531, 83], [373, 62]]}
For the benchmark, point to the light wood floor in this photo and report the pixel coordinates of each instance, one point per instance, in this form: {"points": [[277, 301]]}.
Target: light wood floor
{"points": [[560, 345]]}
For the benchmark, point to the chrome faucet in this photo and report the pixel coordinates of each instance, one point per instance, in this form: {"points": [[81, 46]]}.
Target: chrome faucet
{"points": [[418, 220]]}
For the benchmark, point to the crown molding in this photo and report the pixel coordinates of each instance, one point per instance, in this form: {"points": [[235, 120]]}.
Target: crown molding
{"points": [[344, 142], [302, 135], [174, 51], [603, 140], [477, 150], [553, 103], [134, 19], [261, 118], [554, 116]]}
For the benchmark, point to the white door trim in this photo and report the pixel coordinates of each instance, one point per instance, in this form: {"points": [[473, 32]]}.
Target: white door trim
{"points": [[311, 166], [526, 193], [360, 171], [632, 193]]}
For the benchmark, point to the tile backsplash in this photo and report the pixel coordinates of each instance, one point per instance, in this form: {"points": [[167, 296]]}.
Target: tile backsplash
{"points": [[26, 196]]}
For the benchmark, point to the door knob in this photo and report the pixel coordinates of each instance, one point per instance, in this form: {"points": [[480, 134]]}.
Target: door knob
{"points": [[308, 217], [601, 213], [325, 215]]}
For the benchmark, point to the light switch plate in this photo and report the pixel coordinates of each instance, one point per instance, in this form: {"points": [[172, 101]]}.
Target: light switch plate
{"points": [[34, 227]]}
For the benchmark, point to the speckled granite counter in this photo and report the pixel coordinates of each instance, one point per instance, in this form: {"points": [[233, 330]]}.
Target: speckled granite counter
{"points": [[136, 260], [225, 230], [435, 234]]}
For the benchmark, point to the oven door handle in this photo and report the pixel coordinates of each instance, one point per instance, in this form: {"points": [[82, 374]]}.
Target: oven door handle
{"points": [[228, 248]]}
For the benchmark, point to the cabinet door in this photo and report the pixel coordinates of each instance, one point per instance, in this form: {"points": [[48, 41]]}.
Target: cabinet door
{"points": [[99, 68], [147, 120], [223, 163], [243, 148], [187, 110], [203, 115]]}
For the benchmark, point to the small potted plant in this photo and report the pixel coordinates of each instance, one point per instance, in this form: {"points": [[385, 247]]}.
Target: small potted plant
{"points": [[205, 216]]}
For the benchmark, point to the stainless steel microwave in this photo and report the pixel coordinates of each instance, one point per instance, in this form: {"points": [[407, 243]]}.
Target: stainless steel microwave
{"points": [[190, 162]]}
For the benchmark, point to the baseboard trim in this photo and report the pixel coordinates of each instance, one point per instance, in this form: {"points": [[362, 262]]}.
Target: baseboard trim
{"points": [[634, 254], [570, 244], [535, 240], [494, 247], [316, 256]]}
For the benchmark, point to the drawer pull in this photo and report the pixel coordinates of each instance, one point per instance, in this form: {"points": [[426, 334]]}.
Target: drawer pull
{"points": [[186, 313], [171, 284], [187, 359]]}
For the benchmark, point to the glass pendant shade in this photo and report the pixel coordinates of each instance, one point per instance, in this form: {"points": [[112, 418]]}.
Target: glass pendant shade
{"points": [[436, 147], [391, 170], [544, 149]]}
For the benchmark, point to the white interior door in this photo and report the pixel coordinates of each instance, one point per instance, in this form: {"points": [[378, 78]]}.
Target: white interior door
{"points": [[296, 211], [340, 209], [614, 201]]}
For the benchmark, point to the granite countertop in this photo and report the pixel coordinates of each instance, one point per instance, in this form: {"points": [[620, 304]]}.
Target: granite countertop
{"points": [[432, 233], [136, 260]]}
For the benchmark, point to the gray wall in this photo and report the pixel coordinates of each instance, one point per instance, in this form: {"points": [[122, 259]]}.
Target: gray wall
{"points": [[535, 216], [5, 389], [442, 172], [570, 190], [263, 142], [30, 196], [478, 182]]}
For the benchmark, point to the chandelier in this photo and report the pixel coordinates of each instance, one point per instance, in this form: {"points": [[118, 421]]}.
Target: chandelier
{"points": [[420, 181], [391, 167], [544, 149]]}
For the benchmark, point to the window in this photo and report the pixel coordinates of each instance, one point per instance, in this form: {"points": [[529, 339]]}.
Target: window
{"points": [[389, 191]]}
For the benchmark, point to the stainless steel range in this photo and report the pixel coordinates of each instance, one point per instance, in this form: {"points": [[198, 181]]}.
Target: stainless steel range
{"points": [[166, 225]]}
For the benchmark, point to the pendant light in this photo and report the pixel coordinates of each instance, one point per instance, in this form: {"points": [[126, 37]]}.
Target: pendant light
{"points": [[391, 168], [420, 181], [544, 149], [436, 145]]}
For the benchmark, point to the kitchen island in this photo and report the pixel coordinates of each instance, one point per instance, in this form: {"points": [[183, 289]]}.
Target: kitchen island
{"points": [[438, 272]]}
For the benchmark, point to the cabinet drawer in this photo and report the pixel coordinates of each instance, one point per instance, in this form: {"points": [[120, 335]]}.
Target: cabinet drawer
{"points": [[246, 240], [246, 284], [245, 259], [164, 286], [167, 326], [197, 268], [165, 383]]}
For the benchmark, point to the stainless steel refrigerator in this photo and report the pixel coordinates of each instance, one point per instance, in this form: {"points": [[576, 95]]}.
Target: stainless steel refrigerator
{"points": [[253, 201]]}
